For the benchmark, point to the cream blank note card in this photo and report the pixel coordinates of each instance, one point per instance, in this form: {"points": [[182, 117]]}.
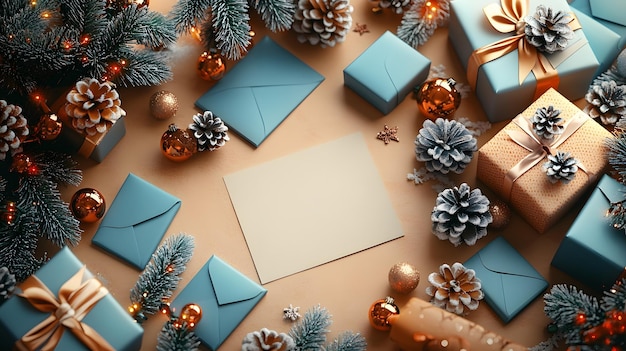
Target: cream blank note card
{"points": [[312, 207]]}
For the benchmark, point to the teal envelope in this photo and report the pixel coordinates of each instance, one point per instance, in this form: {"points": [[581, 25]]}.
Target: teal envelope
{"points": [[509, 282], [225, 295], [136, 221], [260, 91]]}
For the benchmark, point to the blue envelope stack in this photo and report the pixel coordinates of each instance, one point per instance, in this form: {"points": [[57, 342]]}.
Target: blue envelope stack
{"points": [[508, 281], [592, 251], [136, 221], [225, 295], [260, 91], [386, 72]]}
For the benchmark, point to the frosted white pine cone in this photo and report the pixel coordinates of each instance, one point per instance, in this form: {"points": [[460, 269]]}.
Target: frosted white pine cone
{"points": [[93, 106]]}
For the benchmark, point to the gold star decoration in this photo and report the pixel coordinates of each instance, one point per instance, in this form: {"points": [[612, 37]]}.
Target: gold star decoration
{"points": [[388, 134], [361, 29]]}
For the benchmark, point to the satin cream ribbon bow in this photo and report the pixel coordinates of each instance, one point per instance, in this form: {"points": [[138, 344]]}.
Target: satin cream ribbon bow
{"points": [[76, 299], [538, 147], [509, 18]]}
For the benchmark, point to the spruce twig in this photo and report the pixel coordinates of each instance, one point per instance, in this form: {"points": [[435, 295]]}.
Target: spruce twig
{"points": [[177, 339]]}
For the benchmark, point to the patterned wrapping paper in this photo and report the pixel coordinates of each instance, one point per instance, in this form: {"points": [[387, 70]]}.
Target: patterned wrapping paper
{"points": [[532, 195]]}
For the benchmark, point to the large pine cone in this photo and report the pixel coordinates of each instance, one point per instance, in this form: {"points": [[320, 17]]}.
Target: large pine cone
{"points": [[547, 123], [607, 100], [323, 22], [209, 130], [13, 129], [455, 288], [461, 215], [93, 106], [548, 30], [444, 146], [561, 167]]}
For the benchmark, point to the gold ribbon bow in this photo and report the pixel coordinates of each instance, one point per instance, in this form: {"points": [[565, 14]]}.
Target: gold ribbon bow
{"points": [[538, 147], [76, 299], [509, 18]]}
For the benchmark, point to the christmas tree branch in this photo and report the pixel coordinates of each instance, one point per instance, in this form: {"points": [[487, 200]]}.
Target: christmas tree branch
{"points": [[187, 14], [172, 338], [310, 332], [18, 242], [277, 14], [58, 168], [231, 27]]}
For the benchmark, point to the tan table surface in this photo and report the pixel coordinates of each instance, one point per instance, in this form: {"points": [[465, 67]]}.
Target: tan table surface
{"points": [[348, 286]]}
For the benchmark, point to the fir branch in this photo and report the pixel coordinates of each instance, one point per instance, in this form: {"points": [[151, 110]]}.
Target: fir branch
{"points": [[161, 276], [310, 332], [278, 15], [18, 242], [187, 14], [348, 341], [231, 27], [159, 30], [616, 153], [145, 68], [54, 217], [177, 339], [413, 30], [615, 298], [59, 168]]}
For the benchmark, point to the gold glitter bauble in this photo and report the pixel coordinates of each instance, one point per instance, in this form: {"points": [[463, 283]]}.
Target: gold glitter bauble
{"points": [[500, 213], [438, 98], [177, 144], [88, 205], [380, 311], [403, 277], [163, 105], [211, 66]]}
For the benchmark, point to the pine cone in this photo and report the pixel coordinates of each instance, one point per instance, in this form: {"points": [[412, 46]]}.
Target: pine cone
{"points": [[93, 106], [547, 123], [267, 340], [548, 30], [7, 283], [445, 145], [456, 288], [561, 167], [209, 130], [607, 100], [324, 22], [13, 129], [398, 6], [461, 215]]}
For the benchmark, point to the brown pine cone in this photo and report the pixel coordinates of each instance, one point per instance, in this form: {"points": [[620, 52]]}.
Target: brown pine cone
{"points": [[323, 22], [93, 106], [13, 129]]}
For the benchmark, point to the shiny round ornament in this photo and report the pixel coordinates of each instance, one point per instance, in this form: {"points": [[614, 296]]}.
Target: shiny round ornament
{"points": [[380, 311], [49, 127], [177, 144], [163, 105], [191, 314], [438, 98], [403, 277], [88, 205], [23, 164], [211, 66], [501, 214]]}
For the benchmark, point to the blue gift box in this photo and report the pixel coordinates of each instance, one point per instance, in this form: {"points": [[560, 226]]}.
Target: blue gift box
{"points": [[108, 318], [386, 72], [498, 85], [585, 7], [604, 42], [592, 251], [610, 10]]}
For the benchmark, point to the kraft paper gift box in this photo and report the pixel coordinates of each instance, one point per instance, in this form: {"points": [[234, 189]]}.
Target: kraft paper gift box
{"points": [[530, 193], [261, 90], [604, 42], [610, 10], [585, 7], [593, 251], [503, 88], [226, 297], [508, 280], [136, 221], [107, 317], [386, 72]]}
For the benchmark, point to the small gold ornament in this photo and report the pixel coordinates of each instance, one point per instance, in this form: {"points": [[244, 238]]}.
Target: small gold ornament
{"points": [[191, 314], [211, 66], [438, 98], [163, 105], [500, 213], [403, 277], [380, 310], [177, 144], [88, 205], [49, 127]]}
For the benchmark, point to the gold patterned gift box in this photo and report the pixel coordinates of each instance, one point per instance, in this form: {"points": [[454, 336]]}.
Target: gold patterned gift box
{"points": [[511, 163]]}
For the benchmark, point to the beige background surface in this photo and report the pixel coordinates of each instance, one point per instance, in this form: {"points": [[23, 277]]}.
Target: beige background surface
{"points": [[348, 286]]}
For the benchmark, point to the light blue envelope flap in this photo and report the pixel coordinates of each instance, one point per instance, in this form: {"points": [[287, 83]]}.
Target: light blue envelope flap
{"points": [[509, 282], [136, 221], [260, 91], [225, 295]]}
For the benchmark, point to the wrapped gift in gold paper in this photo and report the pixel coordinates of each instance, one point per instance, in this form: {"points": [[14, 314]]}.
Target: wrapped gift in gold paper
{"points": [[514, 169]]}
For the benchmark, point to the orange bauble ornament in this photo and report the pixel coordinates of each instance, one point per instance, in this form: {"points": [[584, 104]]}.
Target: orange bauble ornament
{"points": [[438, 98], [211, 66], [23, 164], [49, 127], [88, 205], [380, 311], [177, 144], [191, 314]]}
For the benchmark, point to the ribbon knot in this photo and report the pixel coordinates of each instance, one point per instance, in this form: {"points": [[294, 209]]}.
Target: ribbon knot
{"points": [[64, 311]]}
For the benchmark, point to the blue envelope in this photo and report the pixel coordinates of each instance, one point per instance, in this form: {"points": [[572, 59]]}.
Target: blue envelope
{"points": [[225, 295], [509, 282], [136, 221], [260, 91]]}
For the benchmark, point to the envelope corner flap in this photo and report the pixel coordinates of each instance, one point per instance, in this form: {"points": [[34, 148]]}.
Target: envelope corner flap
{"points": [[230, 285]]}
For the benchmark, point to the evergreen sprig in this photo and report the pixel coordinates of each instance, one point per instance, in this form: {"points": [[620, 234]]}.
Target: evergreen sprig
{"points": [[616, 152], [161, 276], [310, 332], [18, 244], [172, 338], [348, 341], [419, 23]]}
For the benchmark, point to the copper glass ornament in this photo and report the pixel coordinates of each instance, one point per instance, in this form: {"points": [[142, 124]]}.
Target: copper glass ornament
{"points": [[88, 205], [438, 98], [177, 144], [49, 127], [380, 311], [211, 66], [190, 313]]}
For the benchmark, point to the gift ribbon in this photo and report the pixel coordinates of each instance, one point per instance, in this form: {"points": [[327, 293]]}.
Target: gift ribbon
{"points": [[76, 298], [538, 147], [509, 18]]}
